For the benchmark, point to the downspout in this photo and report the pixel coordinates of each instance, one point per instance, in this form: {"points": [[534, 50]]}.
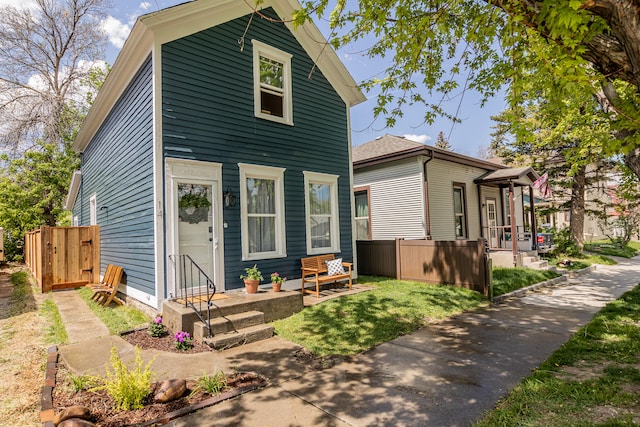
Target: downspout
{"points": [[481, 212], [427, 217], [514, 237], [534, 231]]}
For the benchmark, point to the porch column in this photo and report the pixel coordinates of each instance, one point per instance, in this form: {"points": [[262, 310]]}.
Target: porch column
{"points": [[534, 232], [514, 237]]}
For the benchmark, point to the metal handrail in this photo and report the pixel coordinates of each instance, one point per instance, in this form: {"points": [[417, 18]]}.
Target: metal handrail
{"points": [[186, 270]]}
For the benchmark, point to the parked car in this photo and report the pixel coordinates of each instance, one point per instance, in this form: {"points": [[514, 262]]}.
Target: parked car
{"points": [[545, 243]]}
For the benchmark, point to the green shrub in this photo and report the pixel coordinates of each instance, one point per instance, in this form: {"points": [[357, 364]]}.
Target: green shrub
{"points": [[565, 243], [212, 384], [128, 388], [81, 382]]}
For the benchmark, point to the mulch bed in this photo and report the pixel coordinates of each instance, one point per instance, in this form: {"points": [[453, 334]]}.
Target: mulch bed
{"points": [[142, 339]]}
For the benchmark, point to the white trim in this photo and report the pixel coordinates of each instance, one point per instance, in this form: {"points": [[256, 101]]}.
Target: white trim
{"points": [[264, 172], [195, 171], [139, 295], [159, 241], [334, 224], [74, 187], [93, 209], [188, 18], [263, 50]]}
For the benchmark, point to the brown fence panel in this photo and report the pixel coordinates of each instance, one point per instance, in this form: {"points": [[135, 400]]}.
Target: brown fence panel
{"points": [[461, 263], [63, 257], [376, 257]]}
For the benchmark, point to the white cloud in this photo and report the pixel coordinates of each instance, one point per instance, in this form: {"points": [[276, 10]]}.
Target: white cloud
{"points": [[145, 5], [417, 138], [116, 31]]}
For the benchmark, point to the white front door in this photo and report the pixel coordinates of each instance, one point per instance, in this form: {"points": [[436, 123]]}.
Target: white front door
{"points": [[194, 226], [492, 223]]}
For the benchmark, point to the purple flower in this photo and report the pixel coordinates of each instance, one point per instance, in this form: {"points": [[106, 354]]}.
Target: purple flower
{"points": [[158, 320]]}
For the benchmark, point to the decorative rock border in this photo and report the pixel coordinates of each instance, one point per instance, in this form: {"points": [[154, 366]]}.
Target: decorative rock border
{"points": [[566, 275], [47, 412]]}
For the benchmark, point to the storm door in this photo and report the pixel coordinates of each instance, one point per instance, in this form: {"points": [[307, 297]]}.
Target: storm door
{"points": [[194, 228], [492, 223]]}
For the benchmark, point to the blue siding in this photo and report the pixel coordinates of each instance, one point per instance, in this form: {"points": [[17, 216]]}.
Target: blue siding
{"points": [[208, 115], [117, 165]]}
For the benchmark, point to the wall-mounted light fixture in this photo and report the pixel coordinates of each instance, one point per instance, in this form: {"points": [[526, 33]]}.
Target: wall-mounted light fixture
{"points": [[229, 198]]}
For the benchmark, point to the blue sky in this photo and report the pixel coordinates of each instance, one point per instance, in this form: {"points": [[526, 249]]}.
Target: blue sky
{"points": [[466, 137]]}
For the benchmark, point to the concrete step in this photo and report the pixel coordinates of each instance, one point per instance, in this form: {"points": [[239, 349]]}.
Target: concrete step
{"points": [[229, 323], [239, 337], [538, 265]]}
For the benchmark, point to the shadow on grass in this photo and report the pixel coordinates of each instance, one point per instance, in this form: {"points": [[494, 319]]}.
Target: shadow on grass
{"points": [[355, 323], [16, 293]]}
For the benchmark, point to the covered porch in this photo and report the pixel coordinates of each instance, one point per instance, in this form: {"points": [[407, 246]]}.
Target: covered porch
{"points": [[507, 223]]}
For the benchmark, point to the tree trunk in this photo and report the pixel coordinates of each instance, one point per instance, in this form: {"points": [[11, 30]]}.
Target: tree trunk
{"points": [[576, 221], [632, 160]]}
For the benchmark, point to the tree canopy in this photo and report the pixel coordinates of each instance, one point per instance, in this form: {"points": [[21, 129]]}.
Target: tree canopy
{"points": [[441, 48]]}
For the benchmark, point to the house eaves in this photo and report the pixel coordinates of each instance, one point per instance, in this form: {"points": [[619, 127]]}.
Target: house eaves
{"points": [[519, 176], [152, 30]]}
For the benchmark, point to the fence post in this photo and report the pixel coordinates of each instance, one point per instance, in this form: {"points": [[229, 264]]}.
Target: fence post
{"points": [[398, 258], [47, 270]]}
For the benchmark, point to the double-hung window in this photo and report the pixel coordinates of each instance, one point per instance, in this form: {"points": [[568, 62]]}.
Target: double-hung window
{"points": [[272, 83], [321, 207], [460, 211], [362, 217], [262, 207]]}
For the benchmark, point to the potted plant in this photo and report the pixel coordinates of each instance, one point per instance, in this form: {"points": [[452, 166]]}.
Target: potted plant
{"points": [[277, 281], [252, 279]]}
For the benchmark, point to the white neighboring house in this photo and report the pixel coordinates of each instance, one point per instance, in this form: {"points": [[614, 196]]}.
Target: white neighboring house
{"points": [[405, 189]]}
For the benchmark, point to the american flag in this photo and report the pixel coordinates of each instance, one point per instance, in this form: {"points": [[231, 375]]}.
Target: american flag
{"points": [[542, 185]]}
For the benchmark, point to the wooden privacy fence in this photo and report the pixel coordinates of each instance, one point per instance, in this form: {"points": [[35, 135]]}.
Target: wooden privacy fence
{"points": [[63, 257], [461, 263]]}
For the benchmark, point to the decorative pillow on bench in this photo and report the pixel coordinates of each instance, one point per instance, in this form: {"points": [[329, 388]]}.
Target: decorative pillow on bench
{"points": [[334, 267]]}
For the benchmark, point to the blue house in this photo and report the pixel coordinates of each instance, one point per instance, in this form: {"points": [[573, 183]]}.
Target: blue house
{"points": [[221, 133]]}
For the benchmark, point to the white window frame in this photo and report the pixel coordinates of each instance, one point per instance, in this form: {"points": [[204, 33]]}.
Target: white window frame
{"points": [[332, 181], [93, 210], [463, 214], [75, 221], [264, 50], [263, 172]]}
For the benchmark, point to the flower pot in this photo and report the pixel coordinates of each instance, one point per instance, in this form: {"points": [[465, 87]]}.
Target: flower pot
{"points": [[251, 286], [276, 286]]}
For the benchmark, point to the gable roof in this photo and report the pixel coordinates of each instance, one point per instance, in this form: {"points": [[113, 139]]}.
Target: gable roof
{"points": [[154, 29], [389, 148], [517, 175]]}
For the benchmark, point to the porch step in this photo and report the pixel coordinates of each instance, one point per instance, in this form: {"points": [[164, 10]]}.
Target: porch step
{"points": [[239, 337], [229, 323]]}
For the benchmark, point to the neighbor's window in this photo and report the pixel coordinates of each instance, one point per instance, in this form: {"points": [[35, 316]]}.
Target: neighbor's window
{"points": [[362, 218], [272, 83], [262, 210], [93, 210], [459, 210], [321, 202]]}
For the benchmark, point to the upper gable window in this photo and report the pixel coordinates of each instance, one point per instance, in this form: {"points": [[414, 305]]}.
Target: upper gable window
{"points": [[272, 83]]}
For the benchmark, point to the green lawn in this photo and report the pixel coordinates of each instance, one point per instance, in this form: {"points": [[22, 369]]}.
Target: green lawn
{"points": [[118, 319], [355, 323], [605, 247], [592, 380], [509, 279]]}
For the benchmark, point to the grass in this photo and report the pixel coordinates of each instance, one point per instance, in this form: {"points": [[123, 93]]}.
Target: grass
{"points": [[22, 294], [509, 279], [118, 319], [355, 323], [606, 247], [593, 379], [56, 333]]}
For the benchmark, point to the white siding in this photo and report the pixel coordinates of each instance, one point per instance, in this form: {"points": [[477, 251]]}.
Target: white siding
{"points": [[397, 199], [441, 175]]}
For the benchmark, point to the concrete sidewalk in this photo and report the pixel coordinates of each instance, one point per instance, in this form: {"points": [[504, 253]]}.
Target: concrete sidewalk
{"points": [[447, 374]]}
